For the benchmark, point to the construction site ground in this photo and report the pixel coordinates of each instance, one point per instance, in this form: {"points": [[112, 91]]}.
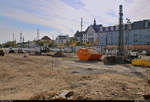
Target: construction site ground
{"points": [[25, 77]]}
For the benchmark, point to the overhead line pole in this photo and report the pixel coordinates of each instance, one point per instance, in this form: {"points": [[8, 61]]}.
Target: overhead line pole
{"points": [[81, 28]]}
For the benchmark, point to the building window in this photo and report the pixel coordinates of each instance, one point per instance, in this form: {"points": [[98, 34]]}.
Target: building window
{"points": [[123, 27], [146, 24], [103, 29], [106, 29], [135, 35], [114, 28], [117, 27], [111, 28], [135, 40]]}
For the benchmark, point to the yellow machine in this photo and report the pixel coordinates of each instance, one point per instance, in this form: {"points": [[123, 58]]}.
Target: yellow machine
{"points": [[141, 62]]}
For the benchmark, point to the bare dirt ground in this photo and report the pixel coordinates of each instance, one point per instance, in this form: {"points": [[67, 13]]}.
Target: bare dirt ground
{"points": [[23, 78]]}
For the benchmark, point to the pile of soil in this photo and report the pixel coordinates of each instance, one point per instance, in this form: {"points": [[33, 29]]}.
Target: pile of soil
{"points": [[59, 54], [11, 51]]}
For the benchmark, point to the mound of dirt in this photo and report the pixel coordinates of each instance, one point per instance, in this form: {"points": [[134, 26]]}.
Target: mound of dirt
{"points": [[59, 54]]}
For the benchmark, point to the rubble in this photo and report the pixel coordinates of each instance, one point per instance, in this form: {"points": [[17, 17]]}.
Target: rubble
{"points": [[11, 51], [59, 54], [65, 95]]}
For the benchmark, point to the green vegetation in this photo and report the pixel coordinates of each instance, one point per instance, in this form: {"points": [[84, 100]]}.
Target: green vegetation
{"points": [[9, 44]]}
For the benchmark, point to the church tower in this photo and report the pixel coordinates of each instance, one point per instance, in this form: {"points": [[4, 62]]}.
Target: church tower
{"points": [[94, 21]]}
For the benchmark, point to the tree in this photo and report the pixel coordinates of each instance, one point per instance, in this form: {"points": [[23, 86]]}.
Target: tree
{"points": [[40, 43], [52, 44], [67, 43], [88, 43], [78, 43], [9, 44]]}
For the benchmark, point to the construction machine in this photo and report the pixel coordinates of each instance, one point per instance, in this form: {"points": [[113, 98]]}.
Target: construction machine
{"points": [[143, 61], [2, 52], [123, 55]]}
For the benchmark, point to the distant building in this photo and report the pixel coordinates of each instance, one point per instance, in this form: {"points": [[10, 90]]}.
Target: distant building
{"points": [[29, 44], [78, 36], [138, 34], [46, 38], [92, 32], [62, 39], [46, 41], [84, 37]]}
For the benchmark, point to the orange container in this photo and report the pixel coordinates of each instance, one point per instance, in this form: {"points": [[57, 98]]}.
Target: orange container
{"points": [[87, 54]]}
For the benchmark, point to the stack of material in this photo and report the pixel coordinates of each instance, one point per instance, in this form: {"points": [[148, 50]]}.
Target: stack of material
{"points": [[120, 59], [87, 54], [59, 54], [109, 60]]}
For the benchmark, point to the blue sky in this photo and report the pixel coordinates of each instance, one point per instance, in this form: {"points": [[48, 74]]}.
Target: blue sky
{"points": [[55, 17]]}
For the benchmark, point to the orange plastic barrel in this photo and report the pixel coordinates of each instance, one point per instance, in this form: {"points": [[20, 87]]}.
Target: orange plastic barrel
{"points": [[87, 54]]}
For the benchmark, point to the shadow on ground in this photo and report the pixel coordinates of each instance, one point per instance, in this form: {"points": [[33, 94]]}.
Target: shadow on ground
{"points": [[133, 70], [80, 61]]}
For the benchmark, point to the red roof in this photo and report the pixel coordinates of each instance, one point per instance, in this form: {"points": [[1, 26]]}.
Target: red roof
{"points": [[46, 38]]}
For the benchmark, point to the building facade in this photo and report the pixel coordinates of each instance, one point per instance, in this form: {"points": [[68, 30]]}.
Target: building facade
{"points": [[78, 36], [138, 34], [84, 37], [62, 39], [91, 33]]}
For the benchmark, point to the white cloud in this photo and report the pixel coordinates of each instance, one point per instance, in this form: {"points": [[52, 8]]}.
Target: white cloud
{"points": [[139, 10], [66, 19]]}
